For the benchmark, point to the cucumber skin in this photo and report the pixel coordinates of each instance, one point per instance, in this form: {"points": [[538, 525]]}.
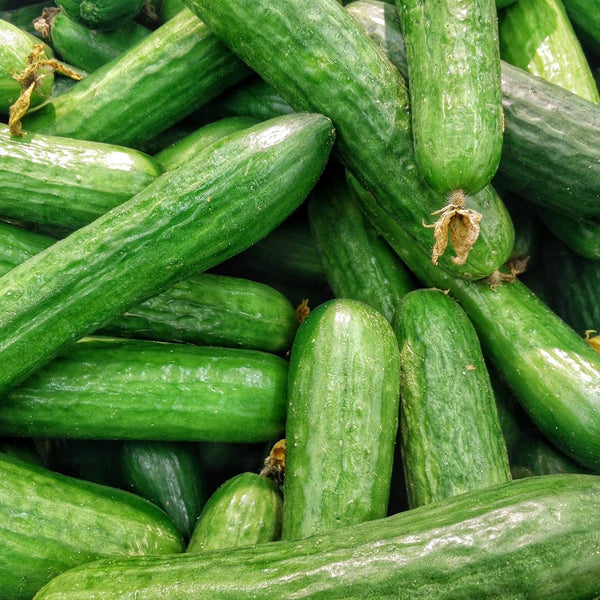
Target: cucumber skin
{"points": [[342, 417], [52, 522], [245, 510], [451, 437], [53, 180], [141, 93], [330, 66], [552, 371], [455, 91], [102, 14], [139, 390], [180, 224], [504, 542]]}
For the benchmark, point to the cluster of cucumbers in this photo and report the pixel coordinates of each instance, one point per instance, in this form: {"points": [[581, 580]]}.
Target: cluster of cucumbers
{"points": [[299, 299]]}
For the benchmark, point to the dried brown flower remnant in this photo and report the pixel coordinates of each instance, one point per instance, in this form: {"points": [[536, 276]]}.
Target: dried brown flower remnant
{"points": [[302, 311], [593, 340], [274, 466], [515, 267], [459, 223]]}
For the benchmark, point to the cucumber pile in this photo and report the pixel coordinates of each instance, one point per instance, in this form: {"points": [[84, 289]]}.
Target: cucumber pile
{"points": [[299, 299]]}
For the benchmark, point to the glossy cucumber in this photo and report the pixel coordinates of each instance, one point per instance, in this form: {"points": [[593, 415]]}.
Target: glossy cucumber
{"points": [[60, 181], [504, 542], [51, 522], [455, 91], [318, 58], [245, 510], [17, 244], [140, 390], [341, 421], [182, 223], [146, 89], [451, 437]]}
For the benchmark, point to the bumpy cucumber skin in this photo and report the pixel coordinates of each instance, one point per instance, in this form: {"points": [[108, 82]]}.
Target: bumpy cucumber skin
{"points": [[186, 221], [144, 91], [502, 542], [244, 511], [451, 437], [552, 371], [102, 14], [59, 181], [135, 389], [318, 58], [18, 244], [358, 263], [455, 90], [342, 418], [51, 522]]}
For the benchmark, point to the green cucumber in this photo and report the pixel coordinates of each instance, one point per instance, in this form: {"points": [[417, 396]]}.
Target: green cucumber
{"points": [[169, 8], [206, 308], [506, 541], [24, 15], [455, 91], [342, 417], [60, 181], [357, 262], [451, 437], [86, 48], [102, 14], [140, 390], [188, 220], [51, 522], [582, 235], [169, 474], [22, 449], [146, 89], [185, 148], [245, 510], [585, 16], [318, 58], [552, 371]]}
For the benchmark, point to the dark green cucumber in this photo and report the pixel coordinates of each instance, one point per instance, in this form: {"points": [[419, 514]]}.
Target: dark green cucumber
{"points": [[552, 371], [585, 16], [206, 308], [318, 58], [15, 47], [582, 235], [102, 14], [169, 474], [51, 522], [60, 181], [188, 220], [86, 48], [502, 542], [22, 449], [146, 89], [245, 510], [23, 16], [455, 91], [358, 263], [141, 390], [185, 148], [451, 437], [341, 419], [169, 8]]}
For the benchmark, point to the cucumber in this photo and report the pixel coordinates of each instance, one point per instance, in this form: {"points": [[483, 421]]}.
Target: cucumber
{"points": [[341, 421], [451, 437], [169, 474], [357, 262], [455, 91], [502, 542], [86, 48], [585, 16], [245, 510], [145, 90], [60, 181], [180, 224], [51, 522], [140, 390], [24, 15], [102, 14], [582, 235], [318, 58], [551, 370], [206, 308]]}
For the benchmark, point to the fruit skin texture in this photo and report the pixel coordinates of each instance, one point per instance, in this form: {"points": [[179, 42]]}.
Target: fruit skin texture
{"points": [[505, 541]]}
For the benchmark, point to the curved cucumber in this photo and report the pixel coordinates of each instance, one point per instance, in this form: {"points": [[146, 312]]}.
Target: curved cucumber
{"points": [[139, 390], [51, 522], [101, 14], [341, 419], [451, 437], [246, 510], [505, 541], [186, 221], [455, 91]]}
